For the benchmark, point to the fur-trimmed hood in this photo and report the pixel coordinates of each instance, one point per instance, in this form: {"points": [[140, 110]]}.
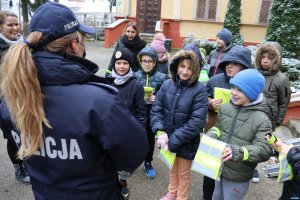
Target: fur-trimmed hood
{"points": [[180, 55], [274, 51]]}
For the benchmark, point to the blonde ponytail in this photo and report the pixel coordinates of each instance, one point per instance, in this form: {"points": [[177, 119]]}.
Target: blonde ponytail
{"points": [[22, 93]]}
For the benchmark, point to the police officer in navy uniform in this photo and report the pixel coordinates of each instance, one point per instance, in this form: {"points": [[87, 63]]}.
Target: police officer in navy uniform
{"points": [[75, 133]]}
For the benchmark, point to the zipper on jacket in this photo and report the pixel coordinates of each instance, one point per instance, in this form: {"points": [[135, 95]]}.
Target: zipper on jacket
{"points": [[270, 85], [147, 80], [173, 108], [232, 126], [217, 63]]}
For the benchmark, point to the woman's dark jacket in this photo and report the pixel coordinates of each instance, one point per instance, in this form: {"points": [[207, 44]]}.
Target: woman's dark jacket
{"points": [[93, 134], [180, 110], [292, 188], [3, 47], [135, 46], [131, 93]]}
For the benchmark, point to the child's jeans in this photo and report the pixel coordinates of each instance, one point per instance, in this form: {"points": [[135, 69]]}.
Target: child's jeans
{"points": [[180, 178], [230, 190]]}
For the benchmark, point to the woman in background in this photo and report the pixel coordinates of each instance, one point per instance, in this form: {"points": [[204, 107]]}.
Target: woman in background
{"points": [[131, 40], [9, 35]]}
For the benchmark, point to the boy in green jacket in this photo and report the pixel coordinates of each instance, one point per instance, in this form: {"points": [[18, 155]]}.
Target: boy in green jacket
{"points": [[242, 124]]}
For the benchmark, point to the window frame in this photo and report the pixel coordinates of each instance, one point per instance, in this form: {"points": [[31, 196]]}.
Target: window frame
{"points": [[260, 14], [206, 10]]}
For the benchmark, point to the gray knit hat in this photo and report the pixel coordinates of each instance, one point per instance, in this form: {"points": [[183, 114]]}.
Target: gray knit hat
{"points": [[225, 35]]}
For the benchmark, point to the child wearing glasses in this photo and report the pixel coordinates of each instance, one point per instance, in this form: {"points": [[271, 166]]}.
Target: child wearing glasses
{"points": [[151, 79]]}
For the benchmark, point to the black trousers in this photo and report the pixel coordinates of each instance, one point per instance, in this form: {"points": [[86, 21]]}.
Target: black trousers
{"points": [[151, 141], [208, 188], [12, 151]]}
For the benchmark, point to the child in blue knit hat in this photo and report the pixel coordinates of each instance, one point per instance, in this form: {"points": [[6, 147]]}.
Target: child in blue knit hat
{"points": [[242, 124], [238, 59]]}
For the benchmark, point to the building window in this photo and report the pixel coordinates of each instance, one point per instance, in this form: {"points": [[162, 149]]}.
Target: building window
{"points": [[207, 9], [264, 11]]}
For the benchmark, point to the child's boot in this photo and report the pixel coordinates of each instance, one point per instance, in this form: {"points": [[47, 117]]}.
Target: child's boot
{"points": [[149, 170], [124, 189], [21, 174]]}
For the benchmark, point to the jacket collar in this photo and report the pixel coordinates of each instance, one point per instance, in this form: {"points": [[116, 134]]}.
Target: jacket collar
{"points": [[56, 69]]}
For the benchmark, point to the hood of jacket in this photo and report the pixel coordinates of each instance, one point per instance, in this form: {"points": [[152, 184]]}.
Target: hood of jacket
{"points": [[181, 55], [237, 54], [56, 69], [192, 47], [149, 51], [274, 51]]}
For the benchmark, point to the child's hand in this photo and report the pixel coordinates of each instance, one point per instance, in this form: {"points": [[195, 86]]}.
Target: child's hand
{"points": [[281, 147], [227, 154], [162, 141], [284, 148], [152, 98], [215, 104], [278, 145]]}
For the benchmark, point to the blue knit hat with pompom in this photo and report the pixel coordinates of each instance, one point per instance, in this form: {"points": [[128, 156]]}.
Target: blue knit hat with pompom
{"points": [[250, 81]]}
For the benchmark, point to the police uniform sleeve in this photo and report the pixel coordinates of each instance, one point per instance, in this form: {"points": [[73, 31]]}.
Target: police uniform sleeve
{"points": [[121, 135]]}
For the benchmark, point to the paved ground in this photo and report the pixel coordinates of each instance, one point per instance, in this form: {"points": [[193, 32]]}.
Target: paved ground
{"points": [[141, 188]]}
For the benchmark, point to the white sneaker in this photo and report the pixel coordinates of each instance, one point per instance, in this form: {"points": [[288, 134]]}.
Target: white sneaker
{"points": [[255, 177]]}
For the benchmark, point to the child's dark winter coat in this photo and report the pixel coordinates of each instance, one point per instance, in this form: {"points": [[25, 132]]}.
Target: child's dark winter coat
{"points": [[180, 109], [277, 89]]}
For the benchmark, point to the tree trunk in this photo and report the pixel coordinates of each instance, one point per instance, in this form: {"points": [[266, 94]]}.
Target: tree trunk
{"points": [[25, 16]]}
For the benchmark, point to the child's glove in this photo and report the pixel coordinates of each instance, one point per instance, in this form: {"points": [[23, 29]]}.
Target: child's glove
{"points": [[162, 141]]}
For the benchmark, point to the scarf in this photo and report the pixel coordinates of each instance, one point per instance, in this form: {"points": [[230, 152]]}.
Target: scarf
{"points": [[134, 45], [120, 80], [8, 41], [182, 82]]}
